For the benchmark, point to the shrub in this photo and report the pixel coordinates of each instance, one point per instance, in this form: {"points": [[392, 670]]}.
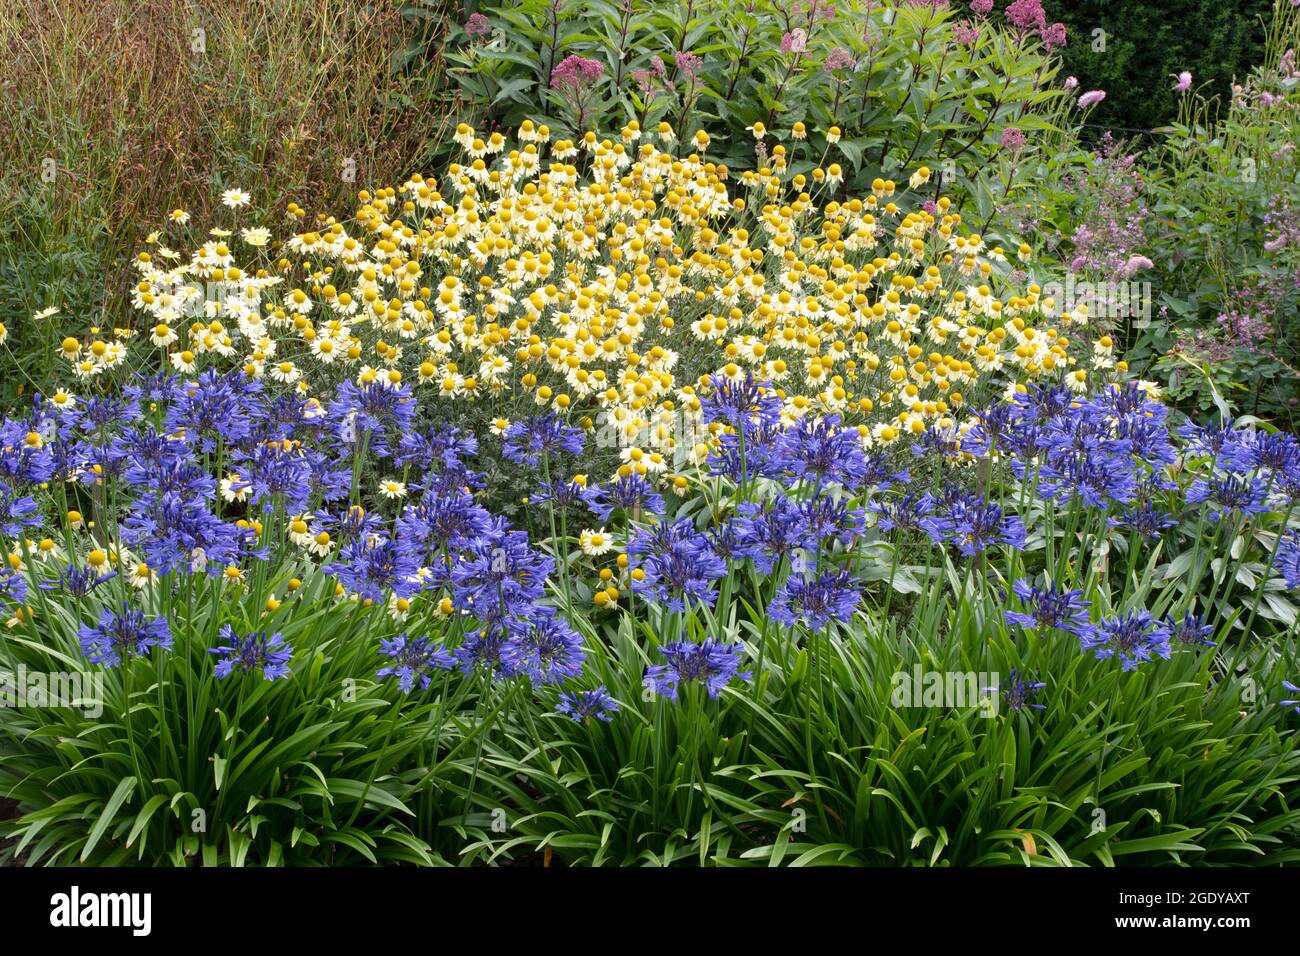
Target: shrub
{"points": [[1148, 44], [905, 82]]}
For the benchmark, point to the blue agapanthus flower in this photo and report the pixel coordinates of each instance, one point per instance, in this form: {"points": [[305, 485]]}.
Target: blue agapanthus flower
{"points": [[414, 659], [1049, 607], [583, 705], [740, 403], [543, 647], [744, 455], [278, 471], [902, 512], [974, 526], [527, 442], [831, 596], [1295, 690], [370, 413], [440, 525], [1287, 560], [1189, 629], [710, 663], [215, 408], [1147, 520], [1132, 637], [485, 648], [254, 651], [773, 532], [678, 563], [629, 494], [1229, 495], [830, 520], [500, 574], [1020, 692], [78, 582], [375, 569], [820, 451], [17, 511], [123, 634], [13, 586]]}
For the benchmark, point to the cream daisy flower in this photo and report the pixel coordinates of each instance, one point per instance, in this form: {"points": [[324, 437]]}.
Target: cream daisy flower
{"points": [[235, 198], [392, 489], [595, 543]]}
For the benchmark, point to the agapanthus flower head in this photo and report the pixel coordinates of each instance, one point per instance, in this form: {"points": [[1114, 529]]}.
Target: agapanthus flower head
{"points": [[1286, 561], [678, 564], [584, 705], [815, 602], [1049, 607], [13, 586], [258, 650], [481, 649], [414, 660], [818, 450], [1295, 689], [829, 519], [773, 531], [1020, 692], [500, 573], [747, 454], [1133, 638], [974, 526], [215, 408], [741, 402], [77, 581], [528, 441], [1148, 520], [441, 525], [1229, 496], [543, 647], [368, 412], [902, 512], [17, 511], [122, 634], [711, 663], [374, 569], [630, 493], [1189, 629], [1210, 440]]}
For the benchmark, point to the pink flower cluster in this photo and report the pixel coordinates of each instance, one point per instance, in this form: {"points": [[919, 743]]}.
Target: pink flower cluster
{"points": [[653, 79], [1027, 16], [688, 64], [576, 73], [1013, 139]]}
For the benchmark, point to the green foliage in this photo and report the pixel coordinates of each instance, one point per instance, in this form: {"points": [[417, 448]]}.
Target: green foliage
{"points": [[1226, 242], [891, 76], [1147, 44]]}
